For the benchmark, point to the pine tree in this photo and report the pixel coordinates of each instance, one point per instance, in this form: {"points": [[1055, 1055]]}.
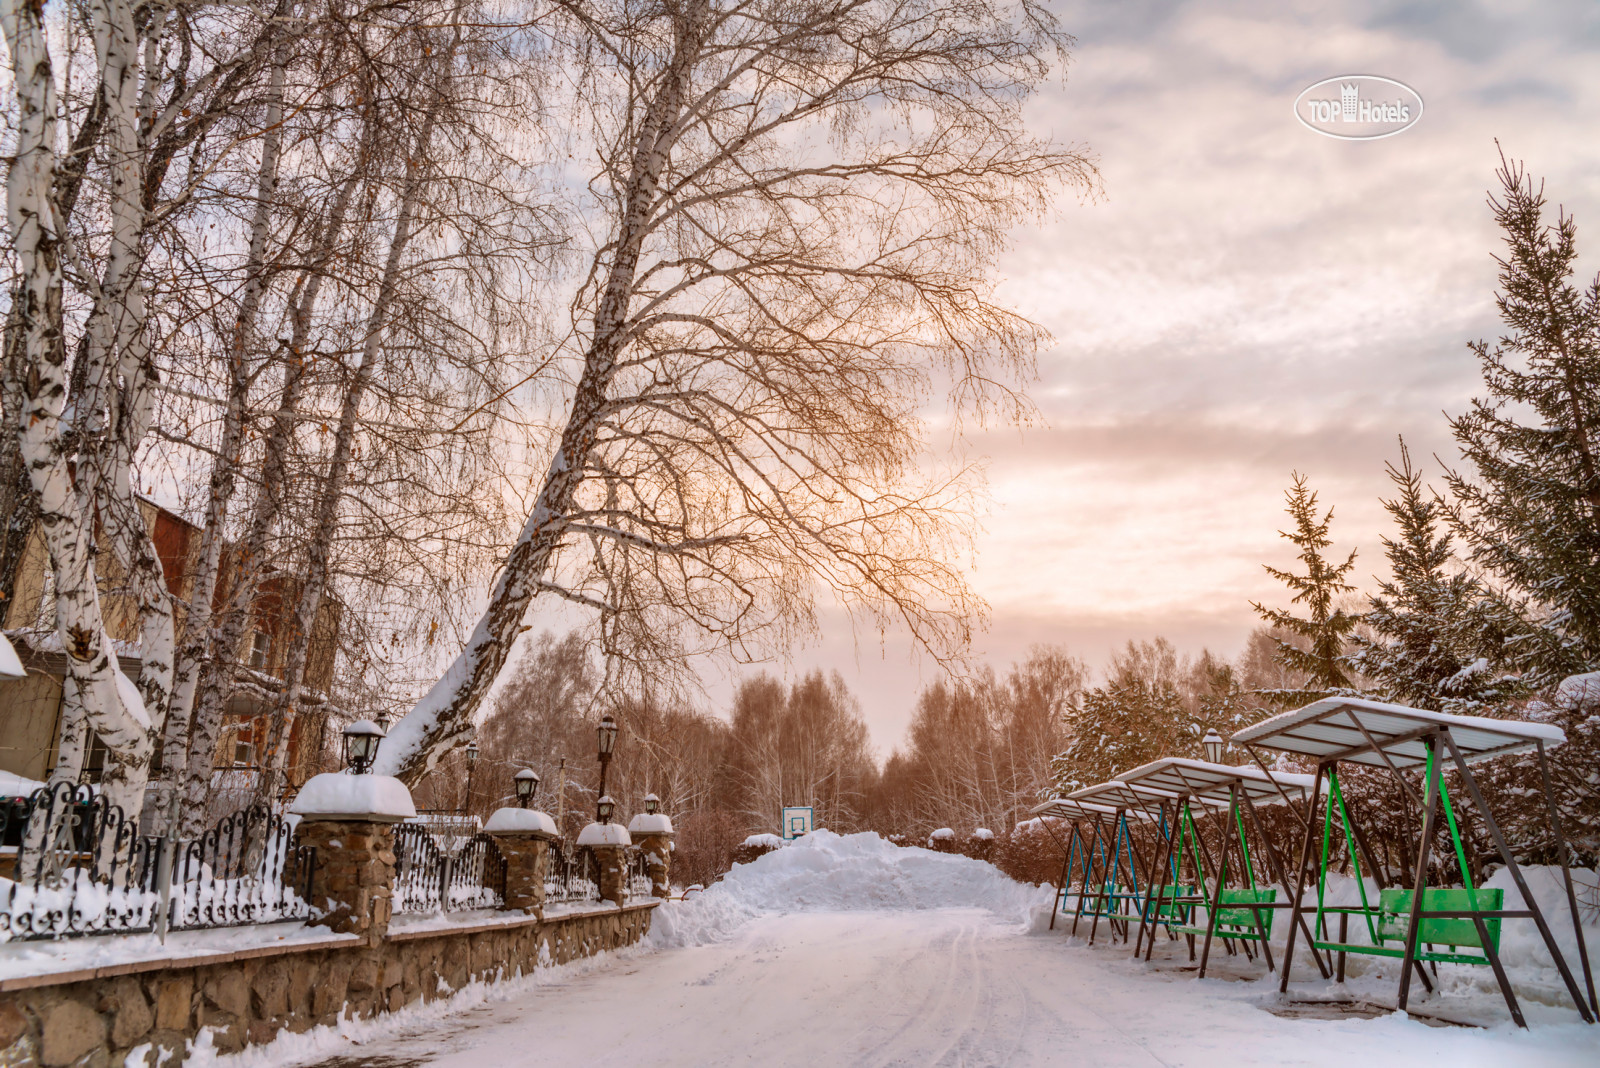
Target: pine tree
{"points": [[1529, 509], [1437, 635], [1116, 729], [1325, 627]]}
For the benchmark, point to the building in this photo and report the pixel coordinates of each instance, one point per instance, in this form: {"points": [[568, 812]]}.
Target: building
{"points": [[30, 708]]}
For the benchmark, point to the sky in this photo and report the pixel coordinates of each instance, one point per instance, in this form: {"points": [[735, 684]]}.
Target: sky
{"points": [[1247, 298]]}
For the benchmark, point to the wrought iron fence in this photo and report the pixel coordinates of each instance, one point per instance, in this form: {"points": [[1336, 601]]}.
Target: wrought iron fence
{"points": [[72, 863], [640, 883], [571, 878], [428, 879]]}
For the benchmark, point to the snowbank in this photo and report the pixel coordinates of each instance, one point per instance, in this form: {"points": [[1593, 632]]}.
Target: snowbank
{"points": [[335, 795], [16, 786], [827, 872], [762, 841], [520, 821]]}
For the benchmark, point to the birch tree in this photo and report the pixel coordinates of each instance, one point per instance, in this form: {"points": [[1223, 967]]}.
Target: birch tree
{"points": [[798, 208]]}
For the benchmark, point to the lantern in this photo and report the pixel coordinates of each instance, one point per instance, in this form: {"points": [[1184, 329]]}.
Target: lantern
{"points": [[527, 783], [1213, 744], [361, 740]]}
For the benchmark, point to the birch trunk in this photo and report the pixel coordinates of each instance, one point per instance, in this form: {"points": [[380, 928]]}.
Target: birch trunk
{"points": [[444, 717], [40, 382], [197, 632], [331, 495]]}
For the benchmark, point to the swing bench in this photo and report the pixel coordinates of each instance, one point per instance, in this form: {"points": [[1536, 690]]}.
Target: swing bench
{"points": [[1099, 868], [1239, 915], [1433, 925]]}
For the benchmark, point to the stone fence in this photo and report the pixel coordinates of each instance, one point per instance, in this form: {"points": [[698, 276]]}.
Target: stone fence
{"points": [[112, 1000]]}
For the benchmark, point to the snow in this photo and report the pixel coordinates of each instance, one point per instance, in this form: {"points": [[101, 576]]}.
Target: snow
{"points": [[603, 834], [650, 823], [941, 834], [983, 834], [826, 871], [12, 785], [336, 795], [763, 841], [131, 700], [1577, 691], [10, 663], [19, 959], [520, 821]]}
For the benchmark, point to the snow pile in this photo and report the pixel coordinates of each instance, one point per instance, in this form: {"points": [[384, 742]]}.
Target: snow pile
{"points": [[334, 795], [10, 663], [827, 872], [16, 786], [983, 834], [650, 823], [520, 821], [604, 834]]}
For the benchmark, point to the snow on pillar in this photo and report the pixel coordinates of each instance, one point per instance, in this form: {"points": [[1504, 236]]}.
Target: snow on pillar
{"points": [[349, 820], [610, 843], [523, 836], [652, 833]]}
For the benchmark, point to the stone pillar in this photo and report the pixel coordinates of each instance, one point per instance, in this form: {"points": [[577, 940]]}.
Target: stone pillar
{"points": [[349, 820], [353, 874], [652, 832], [610, 842], [523, 836], [658, 855]]}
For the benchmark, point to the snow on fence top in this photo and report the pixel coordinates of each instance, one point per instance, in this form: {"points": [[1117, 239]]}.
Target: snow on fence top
{"points": [[335, 795], [763, 841], [1351, 725]]}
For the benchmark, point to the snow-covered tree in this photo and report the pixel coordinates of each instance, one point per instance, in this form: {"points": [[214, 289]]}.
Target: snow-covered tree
{"points": [[1528, 505], [1117, 728], [1435, 636], [1324, 627]]}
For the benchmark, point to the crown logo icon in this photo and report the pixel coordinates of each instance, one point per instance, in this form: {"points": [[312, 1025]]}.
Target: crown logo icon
{"points": [[1348, 98]]}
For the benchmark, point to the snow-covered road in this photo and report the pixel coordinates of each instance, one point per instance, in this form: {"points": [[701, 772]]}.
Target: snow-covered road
{"points": [[936, 987], [850, 951]]}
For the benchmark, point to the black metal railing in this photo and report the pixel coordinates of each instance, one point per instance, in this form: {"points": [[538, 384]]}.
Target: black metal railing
{"points": [[427, 879], [640, 883], [571, 878], [73, 864]]}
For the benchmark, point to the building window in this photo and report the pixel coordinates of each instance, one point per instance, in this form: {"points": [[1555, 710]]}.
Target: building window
{"points": [[260, 650], [244, 754]]}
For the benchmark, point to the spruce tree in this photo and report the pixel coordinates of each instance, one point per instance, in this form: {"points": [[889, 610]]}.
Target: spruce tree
{"points": [[1437, 636], [1528, 508], [1116, 729], [1324, 627]]}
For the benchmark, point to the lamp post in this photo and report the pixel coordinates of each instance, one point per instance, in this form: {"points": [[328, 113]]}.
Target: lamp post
{"points": [[361, 740], [527, 784], [652, 804], [607, 735], [605, 807], [472, 762], [1214, 745]]}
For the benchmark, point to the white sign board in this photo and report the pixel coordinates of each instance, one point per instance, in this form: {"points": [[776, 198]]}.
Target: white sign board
{"points": [[796, 822]]}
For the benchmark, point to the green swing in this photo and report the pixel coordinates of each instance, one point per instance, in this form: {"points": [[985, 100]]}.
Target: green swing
{"points": [[1390, 920]]}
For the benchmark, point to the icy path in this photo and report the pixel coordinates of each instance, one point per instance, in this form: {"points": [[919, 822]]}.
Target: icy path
{"points": [[949, 986]]}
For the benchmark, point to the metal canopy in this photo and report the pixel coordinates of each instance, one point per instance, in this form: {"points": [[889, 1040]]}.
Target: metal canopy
{"points": [[1213, 782], [1073, 810], [1380, 735], [1136, 797]]}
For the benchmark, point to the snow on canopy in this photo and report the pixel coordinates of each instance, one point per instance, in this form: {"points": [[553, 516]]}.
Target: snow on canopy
{"points": [[10, 663], [827, 872], [335, 795], [16, 786]]}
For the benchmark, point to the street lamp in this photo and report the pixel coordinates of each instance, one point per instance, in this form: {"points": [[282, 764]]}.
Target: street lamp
{"points": [[384, 720], [1213, 744], [652, 804], [604, 807], [607, 735], [527, 783], [361, 740]]}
